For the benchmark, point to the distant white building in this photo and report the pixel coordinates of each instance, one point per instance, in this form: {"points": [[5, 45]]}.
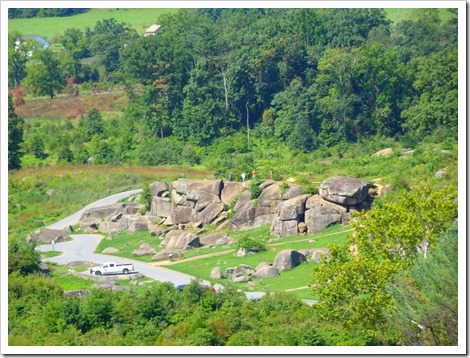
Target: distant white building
{"points": [[39, 43], [152, 30]]}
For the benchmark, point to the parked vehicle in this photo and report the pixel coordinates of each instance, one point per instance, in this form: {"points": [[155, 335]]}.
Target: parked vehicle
{"points": [[109, 268]]}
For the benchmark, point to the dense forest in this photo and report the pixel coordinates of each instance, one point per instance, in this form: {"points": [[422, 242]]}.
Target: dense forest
{"points": [[230, 90], [303, 79]]}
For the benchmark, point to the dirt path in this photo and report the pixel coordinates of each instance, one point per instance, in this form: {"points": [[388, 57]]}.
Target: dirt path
{"points": [[318, 237], [168, 262]]}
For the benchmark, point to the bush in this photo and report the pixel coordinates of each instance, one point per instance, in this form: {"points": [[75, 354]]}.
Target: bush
{"points": [[248, 244], [255, 190]]}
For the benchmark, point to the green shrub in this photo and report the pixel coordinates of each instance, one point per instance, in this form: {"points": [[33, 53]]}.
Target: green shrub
{"points": [[255, 190], [250, 245], [145, 200], [284, 187]]}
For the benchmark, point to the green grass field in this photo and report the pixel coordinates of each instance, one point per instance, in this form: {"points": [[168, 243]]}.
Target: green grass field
{"points": [[300, 276], [397, 15], [50, 27]]}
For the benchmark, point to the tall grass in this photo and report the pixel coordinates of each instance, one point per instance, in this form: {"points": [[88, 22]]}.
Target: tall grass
{"points": [[29, 207]]}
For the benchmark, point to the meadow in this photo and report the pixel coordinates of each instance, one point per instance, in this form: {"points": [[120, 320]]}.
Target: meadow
{"points": [[52, 27]]}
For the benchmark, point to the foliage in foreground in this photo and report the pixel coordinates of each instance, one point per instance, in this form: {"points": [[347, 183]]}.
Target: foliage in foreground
{"points": [[353, 284], [427, 296], [161, 315]]}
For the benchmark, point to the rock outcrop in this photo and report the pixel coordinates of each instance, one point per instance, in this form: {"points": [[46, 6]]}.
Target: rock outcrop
{"points": [[186, 203], [46, 235], [344, 190], [288, 215], [182, 241]]}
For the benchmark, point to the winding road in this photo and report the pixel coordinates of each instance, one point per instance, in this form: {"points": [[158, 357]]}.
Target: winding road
{"points": [[82, 248]]}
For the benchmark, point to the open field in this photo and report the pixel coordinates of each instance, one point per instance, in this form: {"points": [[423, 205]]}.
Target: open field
{"points": [[71, 107], [50, 27], [397, 15]]}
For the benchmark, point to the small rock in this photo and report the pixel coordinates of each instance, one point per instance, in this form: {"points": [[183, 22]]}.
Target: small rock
{"points": [[110, 250], [440, 174], [216, 273]]}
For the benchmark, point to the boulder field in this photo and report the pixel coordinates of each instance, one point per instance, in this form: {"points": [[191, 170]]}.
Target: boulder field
{"points": [[187, 203]]}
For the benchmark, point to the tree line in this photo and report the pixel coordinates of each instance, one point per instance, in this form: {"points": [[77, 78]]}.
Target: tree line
{"points": [[17, 13], [306, 78]]}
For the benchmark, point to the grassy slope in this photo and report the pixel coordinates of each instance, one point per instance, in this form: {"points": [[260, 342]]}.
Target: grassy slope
{"points": [[50, 27], [397, 15], [201, 268]]}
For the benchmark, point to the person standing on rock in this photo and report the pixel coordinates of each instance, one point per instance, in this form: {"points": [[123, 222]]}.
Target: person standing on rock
{"points": [[253, 173], [243, 176], [271, 174], [230, 177], [221, 187]]}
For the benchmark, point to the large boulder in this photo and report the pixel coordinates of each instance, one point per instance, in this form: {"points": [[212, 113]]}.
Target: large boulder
{"points": [[288, 259], [205, 199], [181, 185], [197, 187], [345, 190], [144, 250], [266, 271], [230, 191], [241, 273], [383, 153], [128, 208], [209, 213], [90, 224], [315, 255], [270, 196], [293, 191], [160, 207], [111, 227], [46, 235], [219, 238], [184, 241], [288, 214], [158, 188], [110, 250], [321, 213], [248, 217], [181, 214]]}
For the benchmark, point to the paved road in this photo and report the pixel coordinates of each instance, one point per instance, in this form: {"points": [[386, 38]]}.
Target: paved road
{"points": [[82, 247], [74, 218]]}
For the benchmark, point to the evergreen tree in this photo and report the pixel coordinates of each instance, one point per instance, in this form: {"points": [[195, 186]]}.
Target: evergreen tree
{"points": [[15, 137]]}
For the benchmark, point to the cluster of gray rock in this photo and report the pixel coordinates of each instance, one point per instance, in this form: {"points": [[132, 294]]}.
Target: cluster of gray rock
{"points": [[285, 260], [198, 202], [187, 203]]}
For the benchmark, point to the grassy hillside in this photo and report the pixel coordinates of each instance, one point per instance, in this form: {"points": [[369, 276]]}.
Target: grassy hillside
{"points": [[397, 15], [50, 27]]}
